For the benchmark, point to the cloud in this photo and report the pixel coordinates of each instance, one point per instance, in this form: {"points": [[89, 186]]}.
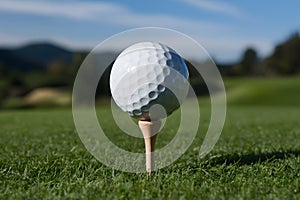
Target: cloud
{"points": [[222, 46], [105, 12], [223, 49], [230, 48], [69, 9], [216, 6]]}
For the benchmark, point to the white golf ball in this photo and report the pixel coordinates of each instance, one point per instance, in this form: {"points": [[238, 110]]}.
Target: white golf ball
{"points": [[146, 74]]}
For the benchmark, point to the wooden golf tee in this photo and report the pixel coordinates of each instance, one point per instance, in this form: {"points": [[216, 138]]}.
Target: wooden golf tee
{"points": [[149, 130]]}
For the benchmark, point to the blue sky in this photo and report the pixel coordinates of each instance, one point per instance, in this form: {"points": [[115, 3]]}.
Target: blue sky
{"points": [[224, 28]]}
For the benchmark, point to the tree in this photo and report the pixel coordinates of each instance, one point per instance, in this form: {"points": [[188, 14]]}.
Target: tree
{"points": [[249, 60], [285, 58], [248, 63]]}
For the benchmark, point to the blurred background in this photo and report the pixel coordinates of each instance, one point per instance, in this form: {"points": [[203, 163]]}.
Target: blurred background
{"points": [[255, 44]]}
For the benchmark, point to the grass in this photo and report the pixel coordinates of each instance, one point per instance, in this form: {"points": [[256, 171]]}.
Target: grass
{"points": [[257, 157], [264, 91]]}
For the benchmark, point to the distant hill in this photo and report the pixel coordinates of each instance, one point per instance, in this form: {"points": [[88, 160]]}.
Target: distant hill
{"points": [[9, 59], [44, 53], [34, 56]]}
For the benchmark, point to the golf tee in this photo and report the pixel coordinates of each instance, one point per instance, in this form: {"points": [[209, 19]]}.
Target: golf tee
{"points": [[149, 130]]}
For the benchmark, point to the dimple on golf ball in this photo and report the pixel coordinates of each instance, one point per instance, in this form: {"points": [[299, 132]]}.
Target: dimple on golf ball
{"points": [[146, 74]]}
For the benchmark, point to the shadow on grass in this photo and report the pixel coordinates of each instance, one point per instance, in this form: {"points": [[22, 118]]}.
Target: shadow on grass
{"points": [[249, 159]]}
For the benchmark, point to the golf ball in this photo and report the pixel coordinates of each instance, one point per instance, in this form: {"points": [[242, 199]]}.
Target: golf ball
{"points": [[146, 74]]}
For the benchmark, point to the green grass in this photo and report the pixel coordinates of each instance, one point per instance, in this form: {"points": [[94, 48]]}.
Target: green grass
{"points": [[257, 157], [263, 91]]}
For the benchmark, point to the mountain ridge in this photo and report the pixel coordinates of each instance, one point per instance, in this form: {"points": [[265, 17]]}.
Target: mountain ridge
{"points": [[35, 56]]}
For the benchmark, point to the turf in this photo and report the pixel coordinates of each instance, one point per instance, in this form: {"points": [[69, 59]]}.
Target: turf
{"points": [[263, 91], [256, 157]]}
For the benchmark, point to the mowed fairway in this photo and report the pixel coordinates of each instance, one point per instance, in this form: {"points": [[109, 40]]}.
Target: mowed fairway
{"points": [[257, 156]]}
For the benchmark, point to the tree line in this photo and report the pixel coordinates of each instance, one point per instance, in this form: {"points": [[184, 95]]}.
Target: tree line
{"points": [[283, 61], [17, 82]]}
